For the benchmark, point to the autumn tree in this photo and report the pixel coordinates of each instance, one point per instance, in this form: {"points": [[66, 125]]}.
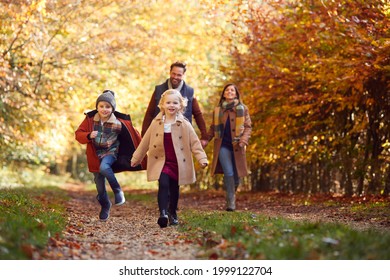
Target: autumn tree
{"points": [[316, 78], [57, 56]]}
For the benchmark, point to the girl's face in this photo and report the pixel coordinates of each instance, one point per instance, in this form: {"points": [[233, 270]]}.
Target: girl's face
{"points": [[230, 93], [104, 110], [171, 105]]}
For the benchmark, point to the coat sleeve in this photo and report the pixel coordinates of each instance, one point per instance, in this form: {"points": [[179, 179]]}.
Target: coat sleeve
{"points": [[210, 132], [199, 119], [149, 115], [247, 128], [82, 132]]}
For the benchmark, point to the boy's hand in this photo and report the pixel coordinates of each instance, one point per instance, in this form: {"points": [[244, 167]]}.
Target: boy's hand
{"points": [[93, 134], [204, 165]]}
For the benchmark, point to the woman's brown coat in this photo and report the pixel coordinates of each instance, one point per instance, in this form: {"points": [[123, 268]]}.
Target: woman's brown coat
{"points": [[185, 142], [239, 152]]}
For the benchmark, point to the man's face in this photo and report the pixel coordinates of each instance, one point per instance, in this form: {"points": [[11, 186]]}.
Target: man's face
{"points": [[176, 76]]}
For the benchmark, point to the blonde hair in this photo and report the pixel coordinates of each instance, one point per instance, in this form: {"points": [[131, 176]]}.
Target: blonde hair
{"points": [[182, 100]]}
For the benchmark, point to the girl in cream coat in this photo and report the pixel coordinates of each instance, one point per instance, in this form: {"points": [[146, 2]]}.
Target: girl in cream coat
{"points": [[170, 142]]}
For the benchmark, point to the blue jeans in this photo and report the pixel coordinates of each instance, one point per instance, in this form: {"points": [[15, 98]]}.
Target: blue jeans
{"points": [[228, 164], [105, 172]]}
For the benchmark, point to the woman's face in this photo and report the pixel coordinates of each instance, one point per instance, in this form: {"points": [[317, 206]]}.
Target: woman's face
{"points": [[230, 93]]}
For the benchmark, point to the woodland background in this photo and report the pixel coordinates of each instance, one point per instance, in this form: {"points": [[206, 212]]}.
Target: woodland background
{"points": [[314, 74]]}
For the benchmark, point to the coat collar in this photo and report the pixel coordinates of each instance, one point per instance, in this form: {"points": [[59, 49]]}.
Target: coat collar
{"points": [[112, 118], [179, 119]]}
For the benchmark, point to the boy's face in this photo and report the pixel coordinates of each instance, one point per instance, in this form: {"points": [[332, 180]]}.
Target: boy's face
{"points": [[171, 105], [104, 110]]}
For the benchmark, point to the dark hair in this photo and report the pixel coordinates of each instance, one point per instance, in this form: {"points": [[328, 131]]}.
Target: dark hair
{"points": [[225, 87], [179, 64]]}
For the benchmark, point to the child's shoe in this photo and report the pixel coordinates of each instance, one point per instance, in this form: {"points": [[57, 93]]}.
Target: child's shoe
{"points": [[105, 210], [163, 219], [173, 220], [119, 198]]}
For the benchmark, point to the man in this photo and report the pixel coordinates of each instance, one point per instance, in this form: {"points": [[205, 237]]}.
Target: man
{"points": [[175, 81]]}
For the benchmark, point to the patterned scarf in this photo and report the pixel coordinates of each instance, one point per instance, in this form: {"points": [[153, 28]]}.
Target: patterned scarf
{"points": [[240, 119]]}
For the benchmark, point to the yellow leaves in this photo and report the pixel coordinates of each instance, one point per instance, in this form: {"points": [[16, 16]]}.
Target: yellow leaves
{"points": [[285, 70], [40, 6]]}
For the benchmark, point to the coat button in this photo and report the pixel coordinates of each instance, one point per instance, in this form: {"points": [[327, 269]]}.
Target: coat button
{"points": [[180, 137], [233, 130], [184, 159], [156, 157], [155, 146], [232, 119], [156, 134]]}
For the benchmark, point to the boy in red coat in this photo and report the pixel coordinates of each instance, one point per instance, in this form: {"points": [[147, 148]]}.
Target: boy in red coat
{"points": [[101, 131]]}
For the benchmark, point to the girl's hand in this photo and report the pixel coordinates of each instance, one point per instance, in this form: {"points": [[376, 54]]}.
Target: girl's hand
{"points": [[204, 165]]}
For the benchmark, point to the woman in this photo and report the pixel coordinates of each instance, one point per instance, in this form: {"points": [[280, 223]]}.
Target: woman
{"points": [[231, 129]]}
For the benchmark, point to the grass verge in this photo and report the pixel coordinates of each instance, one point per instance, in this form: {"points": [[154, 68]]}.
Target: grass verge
{"points": [[242, 235], [28, 218]]}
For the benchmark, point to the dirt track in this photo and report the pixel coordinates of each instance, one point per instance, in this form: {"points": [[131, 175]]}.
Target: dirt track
{"points": [[131, 233]]}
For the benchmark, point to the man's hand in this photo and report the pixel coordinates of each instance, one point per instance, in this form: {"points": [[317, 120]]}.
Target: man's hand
{"points": [[204, 143]]}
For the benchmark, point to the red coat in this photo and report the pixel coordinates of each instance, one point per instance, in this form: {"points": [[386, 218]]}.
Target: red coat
{"points": [[129, 139]]}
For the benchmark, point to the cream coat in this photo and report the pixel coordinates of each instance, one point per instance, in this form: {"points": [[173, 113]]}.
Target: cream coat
{"points": [[185, 142]]}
